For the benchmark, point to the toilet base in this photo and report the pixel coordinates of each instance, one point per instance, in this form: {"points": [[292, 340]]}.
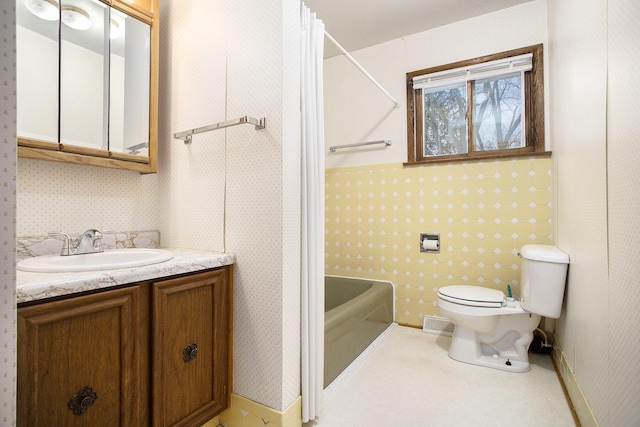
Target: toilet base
{"points": [[497, 363], [467, 348]]}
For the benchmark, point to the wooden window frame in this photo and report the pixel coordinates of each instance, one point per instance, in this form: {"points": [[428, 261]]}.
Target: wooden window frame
{"points": [[533, 121]]}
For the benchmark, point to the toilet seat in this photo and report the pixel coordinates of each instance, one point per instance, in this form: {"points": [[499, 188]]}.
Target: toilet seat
{"points": [[474, 296]]}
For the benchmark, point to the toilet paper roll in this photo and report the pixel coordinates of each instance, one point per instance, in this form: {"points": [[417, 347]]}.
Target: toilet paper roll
{"points": [[430, 244]]}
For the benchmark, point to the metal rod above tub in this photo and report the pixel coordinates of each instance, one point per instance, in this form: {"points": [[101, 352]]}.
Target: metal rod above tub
{"points": [[187, 134], [361, 68], [360, 144]]}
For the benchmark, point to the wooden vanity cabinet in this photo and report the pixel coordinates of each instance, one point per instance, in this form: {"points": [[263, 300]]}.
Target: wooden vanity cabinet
{"points": [[149, 354]]}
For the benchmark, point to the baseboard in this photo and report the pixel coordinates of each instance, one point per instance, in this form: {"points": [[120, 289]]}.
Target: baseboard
{"points": [[246, 412], [583, 415]]}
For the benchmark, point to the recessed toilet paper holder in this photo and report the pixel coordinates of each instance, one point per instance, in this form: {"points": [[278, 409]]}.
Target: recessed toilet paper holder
{"points": [[430, 242]]}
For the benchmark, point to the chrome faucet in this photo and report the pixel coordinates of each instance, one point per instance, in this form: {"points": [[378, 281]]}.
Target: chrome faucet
{"points": [[89, 242]]}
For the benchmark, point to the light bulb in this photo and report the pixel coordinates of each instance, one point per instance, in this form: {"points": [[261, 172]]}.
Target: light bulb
{"points": [[43, 9], [75, 18], [114, 30]]}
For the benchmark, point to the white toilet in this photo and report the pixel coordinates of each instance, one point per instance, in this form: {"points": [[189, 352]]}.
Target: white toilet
{"points": [[495, 331]]}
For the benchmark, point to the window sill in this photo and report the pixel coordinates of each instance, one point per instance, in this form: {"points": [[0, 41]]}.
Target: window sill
{"points": [[477, 157]]}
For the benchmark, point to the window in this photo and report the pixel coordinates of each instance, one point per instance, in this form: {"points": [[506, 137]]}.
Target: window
{"points": [[485, 107]]}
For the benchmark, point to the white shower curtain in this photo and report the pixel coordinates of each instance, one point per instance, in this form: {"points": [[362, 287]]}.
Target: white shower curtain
{"points": [[312, 272]]}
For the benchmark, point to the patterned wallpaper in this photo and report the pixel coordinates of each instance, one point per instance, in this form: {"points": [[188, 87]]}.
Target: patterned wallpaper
{"points": [[236, 188], [623, 384], [193, 93], [71, 198], [578, 31], [624, 210], [484, 211], [598, 202], [7, 213]]}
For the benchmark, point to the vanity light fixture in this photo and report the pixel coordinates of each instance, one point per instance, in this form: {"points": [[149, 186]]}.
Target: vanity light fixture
{"points": [[75, 18], [43, 9]]}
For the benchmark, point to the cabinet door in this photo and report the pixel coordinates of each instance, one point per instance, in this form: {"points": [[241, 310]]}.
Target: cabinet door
{"points": [[79, 361], [191, 348]]}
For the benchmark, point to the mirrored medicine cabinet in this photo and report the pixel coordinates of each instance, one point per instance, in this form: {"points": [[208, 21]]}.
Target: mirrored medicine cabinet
{"points": [[87, 82]]}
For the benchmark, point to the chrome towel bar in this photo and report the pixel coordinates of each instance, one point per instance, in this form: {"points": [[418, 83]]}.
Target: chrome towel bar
{"points": [[386, 142], [187, 134]]}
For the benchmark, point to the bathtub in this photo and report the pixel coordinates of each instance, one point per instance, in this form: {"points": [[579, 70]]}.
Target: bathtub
{"points": [[357, 311]]}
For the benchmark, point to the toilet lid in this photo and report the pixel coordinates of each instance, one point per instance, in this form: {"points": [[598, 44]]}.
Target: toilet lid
{"points": [[476, 296]]}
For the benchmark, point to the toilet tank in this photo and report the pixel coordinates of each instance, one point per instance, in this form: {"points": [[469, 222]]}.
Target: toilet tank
{"points": [[542, 279]]}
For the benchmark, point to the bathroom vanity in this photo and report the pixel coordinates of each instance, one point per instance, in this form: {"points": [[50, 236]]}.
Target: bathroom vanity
{"points": [[151, 348]]}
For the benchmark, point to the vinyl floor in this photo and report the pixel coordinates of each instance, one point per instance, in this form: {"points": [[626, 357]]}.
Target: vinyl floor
{"points": [[406, 379]]}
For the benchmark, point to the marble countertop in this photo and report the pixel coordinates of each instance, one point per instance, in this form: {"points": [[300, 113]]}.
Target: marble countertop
{"points": [[37, 286]]}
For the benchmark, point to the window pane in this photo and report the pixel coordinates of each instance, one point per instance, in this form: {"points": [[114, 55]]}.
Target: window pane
{"points": [[445, 127], [497, 113]]}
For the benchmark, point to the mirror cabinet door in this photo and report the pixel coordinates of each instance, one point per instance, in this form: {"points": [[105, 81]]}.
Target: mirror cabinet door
{"points": [[129, 85], [37, 33], [84, 75]]}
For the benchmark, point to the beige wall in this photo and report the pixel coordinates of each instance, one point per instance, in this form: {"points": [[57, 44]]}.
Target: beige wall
{"points": [[356, 111], [594, 105]]}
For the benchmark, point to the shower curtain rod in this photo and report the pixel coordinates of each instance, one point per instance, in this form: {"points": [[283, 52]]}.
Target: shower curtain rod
{"points": [[361, 68]]}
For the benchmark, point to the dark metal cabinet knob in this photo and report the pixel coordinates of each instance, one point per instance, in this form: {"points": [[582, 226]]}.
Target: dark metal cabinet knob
{"points": [[190, 352], [82, 401]]}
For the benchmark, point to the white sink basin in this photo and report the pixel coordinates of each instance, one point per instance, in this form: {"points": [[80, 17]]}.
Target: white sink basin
{"points": [[107, 260]]}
